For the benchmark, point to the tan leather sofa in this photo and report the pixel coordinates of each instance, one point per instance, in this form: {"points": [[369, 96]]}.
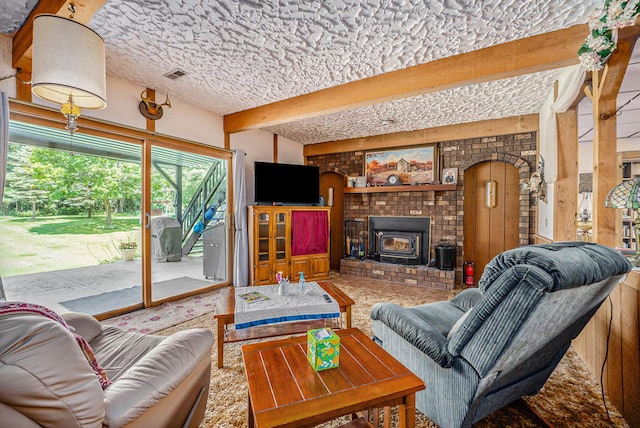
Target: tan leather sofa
{"points": [[45, 379]]}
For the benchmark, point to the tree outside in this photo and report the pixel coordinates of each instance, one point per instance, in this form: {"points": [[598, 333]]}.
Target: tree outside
{"points": [[56, 202]]}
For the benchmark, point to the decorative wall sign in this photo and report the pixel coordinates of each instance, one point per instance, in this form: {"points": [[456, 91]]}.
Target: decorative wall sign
{"points": [[416, 165], [450, 176]]}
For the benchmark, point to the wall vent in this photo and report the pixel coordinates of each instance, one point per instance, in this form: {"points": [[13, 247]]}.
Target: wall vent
{"points": [[175, 74]]}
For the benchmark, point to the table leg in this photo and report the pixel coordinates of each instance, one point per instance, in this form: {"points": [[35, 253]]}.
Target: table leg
{"points": [[348, 316], [407, 412], [387, 417], [220, 342], [250, 411]]}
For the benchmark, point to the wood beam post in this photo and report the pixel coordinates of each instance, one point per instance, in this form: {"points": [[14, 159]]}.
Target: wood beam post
{"points": [[151, 95], [566, 185], [23, 86], [605, 87]]}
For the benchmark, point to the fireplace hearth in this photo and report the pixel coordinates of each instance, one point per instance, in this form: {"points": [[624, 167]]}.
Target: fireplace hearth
{"points": [[400, 240]]}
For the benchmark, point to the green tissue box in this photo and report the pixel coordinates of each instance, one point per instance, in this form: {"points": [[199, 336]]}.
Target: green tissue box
{"points": [[323, 348]]}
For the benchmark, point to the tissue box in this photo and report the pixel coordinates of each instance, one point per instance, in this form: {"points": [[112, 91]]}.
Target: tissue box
{"points": [[323, 348]]}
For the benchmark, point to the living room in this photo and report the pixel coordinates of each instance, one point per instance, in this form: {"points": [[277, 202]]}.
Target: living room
{"points": [[197, 122]]}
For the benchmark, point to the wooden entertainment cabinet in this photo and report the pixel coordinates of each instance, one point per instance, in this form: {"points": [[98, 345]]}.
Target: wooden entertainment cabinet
{"points": [[270, 245]]}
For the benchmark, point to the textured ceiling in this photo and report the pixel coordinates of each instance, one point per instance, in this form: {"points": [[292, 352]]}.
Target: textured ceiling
{"points": [[247, 53]]}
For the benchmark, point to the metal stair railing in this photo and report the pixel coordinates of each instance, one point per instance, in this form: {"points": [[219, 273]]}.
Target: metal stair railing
{"points": [[212, 186]]}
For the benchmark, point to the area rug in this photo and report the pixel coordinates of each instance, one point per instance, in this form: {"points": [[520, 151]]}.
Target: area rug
{"points": [[570, 398], [109, 301], [167, 314]]}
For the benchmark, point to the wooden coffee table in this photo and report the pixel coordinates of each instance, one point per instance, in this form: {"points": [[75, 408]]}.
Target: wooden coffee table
{"points": [[285, 391], [225, 310]]}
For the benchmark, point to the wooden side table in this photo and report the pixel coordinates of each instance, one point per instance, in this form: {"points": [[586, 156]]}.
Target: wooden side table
{"points": [[285, 391]]}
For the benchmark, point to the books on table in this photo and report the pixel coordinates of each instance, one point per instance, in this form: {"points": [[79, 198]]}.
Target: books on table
{"points": [[253, 296]]}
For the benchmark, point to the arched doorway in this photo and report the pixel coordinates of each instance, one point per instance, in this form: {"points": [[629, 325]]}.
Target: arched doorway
{"points": [[491, 221]]}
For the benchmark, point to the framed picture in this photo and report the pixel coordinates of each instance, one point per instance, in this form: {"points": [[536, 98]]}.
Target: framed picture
{"points": [[415, 165], [450, 176]]}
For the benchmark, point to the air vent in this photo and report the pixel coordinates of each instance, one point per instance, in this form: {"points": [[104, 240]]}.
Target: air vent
{"points": [[175, 74]]}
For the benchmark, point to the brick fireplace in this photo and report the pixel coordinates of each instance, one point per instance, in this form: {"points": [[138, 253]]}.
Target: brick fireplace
{"points": [[443, 207]]}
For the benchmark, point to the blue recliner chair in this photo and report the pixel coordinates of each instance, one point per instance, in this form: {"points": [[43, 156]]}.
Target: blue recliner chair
{"points": [[494, 344]]}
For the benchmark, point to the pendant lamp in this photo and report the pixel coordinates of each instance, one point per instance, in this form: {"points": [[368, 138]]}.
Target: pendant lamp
{"points": [[68, 66]]}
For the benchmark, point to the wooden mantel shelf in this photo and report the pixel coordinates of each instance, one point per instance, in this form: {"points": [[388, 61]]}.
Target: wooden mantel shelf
{"points": [[407, 188]]}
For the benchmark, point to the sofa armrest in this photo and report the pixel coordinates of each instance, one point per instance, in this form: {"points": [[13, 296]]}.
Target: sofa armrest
{"points": [[155, 375], [414, 330], [83, 324]]}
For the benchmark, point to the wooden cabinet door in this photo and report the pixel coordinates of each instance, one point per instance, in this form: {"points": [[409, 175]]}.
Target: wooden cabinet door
{"points": [[321, 265], [263, 273], [280, 241], [314, 266], [301, 264]]}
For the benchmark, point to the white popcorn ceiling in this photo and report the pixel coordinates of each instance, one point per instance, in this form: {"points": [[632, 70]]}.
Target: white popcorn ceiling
{"points": [[493, 100], [247, 53], [13, 13]]}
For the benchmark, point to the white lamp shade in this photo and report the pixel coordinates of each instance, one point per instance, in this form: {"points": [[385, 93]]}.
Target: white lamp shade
{"points": [[68, 59]]}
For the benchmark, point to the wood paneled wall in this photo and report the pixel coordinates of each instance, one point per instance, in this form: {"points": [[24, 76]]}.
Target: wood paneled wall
{"points": [[621, 374]]}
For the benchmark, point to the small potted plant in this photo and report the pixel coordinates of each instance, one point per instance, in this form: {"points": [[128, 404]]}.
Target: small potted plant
{"points": [[127, 248]]}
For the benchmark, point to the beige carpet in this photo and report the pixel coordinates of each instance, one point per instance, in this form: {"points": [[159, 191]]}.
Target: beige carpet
{"points": [[571, 397]]}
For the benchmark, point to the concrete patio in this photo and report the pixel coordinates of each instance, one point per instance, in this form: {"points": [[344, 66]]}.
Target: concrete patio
{"points": [[51, 288]]}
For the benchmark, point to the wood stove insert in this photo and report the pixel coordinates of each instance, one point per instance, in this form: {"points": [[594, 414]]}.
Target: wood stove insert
{"points": [[400, 240]]}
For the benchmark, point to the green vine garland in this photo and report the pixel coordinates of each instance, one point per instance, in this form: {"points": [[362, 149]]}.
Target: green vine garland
{"points": [[603, 36]]}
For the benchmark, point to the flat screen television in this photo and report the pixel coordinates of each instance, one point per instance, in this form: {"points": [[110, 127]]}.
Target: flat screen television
{"points": [[287, 184]]}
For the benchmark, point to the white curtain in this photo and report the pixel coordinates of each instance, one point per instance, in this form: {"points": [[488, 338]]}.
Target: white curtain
{"points": [[241, 253], [4, 144], [569, 85]]}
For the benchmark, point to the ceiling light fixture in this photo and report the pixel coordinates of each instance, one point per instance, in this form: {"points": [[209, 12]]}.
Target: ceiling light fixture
{"points": [[68, 65], [388, 122]]}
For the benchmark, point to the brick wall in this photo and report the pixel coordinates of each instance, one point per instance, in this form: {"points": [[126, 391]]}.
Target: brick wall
{"points": [[444, 207]]}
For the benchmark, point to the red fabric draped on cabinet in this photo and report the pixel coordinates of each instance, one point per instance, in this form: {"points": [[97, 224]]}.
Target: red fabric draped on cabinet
{"points": [[309, 232]]}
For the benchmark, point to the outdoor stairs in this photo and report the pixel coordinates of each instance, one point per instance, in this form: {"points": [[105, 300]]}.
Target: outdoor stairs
{"points": [[207, 205]]}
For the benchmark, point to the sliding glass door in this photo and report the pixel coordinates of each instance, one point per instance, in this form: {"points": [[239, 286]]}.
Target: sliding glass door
{"points": [[71, 207], [187, 221], [106, 221]]}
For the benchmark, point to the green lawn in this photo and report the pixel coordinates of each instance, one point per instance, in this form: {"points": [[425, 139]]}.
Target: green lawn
{"points": [[61, 242]]}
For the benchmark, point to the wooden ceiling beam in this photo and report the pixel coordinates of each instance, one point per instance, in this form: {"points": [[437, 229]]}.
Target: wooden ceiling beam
{"points": [[534, 54], [485, 128], [23, 39]]}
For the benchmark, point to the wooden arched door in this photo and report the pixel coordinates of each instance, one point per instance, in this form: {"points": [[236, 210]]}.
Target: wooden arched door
{"points": [[491, 223], [336, 222]]}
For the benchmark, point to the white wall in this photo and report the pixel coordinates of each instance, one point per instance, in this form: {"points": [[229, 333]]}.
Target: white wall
{"points": [[190, 123], [585, 152], [290, 152], [258, 145], [545, 214]]}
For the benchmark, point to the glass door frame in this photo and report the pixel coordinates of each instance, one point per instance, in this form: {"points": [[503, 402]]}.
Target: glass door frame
{"points": [[182, 146], [44, 116]]}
